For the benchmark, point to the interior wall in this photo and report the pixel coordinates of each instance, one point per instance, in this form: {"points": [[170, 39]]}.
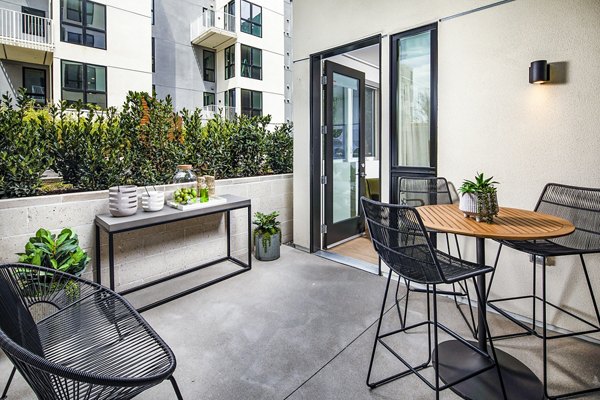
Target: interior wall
{"points": [[490, 118]]}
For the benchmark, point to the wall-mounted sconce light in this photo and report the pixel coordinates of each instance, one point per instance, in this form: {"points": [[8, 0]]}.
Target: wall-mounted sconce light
{"points": [[539, 72]]}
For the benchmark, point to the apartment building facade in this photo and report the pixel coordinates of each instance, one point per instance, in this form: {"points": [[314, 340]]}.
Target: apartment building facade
{"points": [[226, 56], [93, 51]]}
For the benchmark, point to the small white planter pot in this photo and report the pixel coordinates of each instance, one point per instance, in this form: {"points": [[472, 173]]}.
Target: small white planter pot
{"points": [[153, 201], [122, 200], [481, 209]]}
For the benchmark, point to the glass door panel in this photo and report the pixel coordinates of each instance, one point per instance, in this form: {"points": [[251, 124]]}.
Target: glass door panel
{"points": [[344, 151]]}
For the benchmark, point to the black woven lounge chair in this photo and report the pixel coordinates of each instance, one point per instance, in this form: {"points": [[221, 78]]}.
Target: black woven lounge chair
{"points": [[422, 191], [73, 339], [581, 206], [402, 242]]}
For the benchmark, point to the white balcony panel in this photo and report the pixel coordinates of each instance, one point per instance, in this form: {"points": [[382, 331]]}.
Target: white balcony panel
{"points": [[25, 37], [213, 30]]}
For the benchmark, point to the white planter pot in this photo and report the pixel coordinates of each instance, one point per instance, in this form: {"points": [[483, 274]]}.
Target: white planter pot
{"points": [[122, 200], [153, 201], [483, 210]]}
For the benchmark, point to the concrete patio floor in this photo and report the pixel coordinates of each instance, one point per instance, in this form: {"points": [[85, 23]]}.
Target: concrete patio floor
{"points": [[302, 327]]}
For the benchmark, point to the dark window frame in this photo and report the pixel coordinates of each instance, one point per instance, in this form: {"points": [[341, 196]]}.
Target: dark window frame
{"points": [[85, 90], [229, 66], [83, 25], [249, 21], [249, 69], [153, 54], [229, 98], [251, 110], [205, 68], [208, 95], [28, 93], [397, 171]]}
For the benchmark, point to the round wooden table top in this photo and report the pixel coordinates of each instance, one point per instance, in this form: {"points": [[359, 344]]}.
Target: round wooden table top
{"points": [[509, 224]]}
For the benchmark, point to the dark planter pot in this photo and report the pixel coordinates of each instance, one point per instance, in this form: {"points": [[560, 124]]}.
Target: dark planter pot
{"points": [[269, 252]]}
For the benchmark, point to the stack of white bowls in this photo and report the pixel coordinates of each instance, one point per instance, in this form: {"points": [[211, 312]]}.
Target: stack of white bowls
{"points": [[153, 200], [122, 200]]}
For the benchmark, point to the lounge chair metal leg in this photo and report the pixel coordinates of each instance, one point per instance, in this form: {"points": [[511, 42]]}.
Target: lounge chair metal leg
{"points": [[10, 378], [387, 287], [176, 388]]}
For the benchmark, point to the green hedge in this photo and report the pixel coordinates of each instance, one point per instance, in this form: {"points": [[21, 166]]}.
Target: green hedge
{"points": [[142, 143]]}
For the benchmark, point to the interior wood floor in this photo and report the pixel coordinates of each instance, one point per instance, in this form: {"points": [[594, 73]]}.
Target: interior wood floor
{"points": [[359, 248]]}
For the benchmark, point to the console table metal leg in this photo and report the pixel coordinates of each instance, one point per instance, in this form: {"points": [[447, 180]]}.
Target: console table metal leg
{"points": [[111, 261], [228, 216], [249, 237], [97, 266]]}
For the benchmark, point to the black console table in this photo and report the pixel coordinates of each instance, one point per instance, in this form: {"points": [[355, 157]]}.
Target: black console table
{"points": [[113, 225]]}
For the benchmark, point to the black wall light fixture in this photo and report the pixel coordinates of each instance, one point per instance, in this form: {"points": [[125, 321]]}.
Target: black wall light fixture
{"points": [[539, 72]]}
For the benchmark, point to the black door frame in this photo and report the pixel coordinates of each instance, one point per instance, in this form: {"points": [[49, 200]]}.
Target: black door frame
{"points": [[316, 156], [398, 171]]}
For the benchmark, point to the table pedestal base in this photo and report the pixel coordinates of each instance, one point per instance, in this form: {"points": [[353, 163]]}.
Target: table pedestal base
{"points": [[519, 381]]}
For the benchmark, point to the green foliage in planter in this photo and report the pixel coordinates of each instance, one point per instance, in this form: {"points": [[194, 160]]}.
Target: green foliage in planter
{"points": [[24, 133], [266, 226], [140, 144], [90, 150], [156, 136], [485, 191], [279, 150], [60, 252]]}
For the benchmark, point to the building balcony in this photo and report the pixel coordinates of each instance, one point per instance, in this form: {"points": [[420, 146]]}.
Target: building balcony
{"points": [[209, 112], [25, 37], [213, 29]]}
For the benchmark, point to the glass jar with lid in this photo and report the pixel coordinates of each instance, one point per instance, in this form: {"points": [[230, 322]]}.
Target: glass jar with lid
{"points": [[184, 174]]}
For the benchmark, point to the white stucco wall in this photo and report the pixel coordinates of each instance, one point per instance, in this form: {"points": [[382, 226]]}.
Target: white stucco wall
{"points": [[128, 54], [489, 117]]}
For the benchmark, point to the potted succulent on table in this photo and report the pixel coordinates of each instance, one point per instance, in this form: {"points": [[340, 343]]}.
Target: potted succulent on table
{"points": [[61, 253], [267, 236], [479, 199]]}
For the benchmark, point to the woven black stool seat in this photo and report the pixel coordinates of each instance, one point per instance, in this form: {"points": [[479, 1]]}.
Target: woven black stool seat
{"points": [[581, 206], [74, 339]]}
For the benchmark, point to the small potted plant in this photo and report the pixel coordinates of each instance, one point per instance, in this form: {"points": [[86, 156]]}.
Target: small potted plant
{"points": [[479, 199], [267, 236], [61, 253]]}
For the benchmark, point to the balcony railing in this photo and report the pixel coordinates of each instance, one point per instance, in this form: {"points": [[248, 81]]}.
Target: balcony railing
{"points": [[209, 112], [26, 30], [213, 29]]}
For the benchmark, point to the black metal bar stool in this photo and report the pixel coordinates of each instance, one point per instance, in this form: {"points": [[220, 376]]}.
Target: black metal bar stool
{"points": [[425, 191], [402, 242], [581, 206]]}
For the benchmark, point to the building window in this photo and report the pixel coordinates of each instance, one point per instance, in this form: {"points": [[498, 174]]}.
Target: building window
{"points": [[251, 103], [209, 99], [251, 63], [83, 82], [370, 122], [230, 98], [251, 18], [153, 55], [34, 82], [229, 11], [83, 22], [32, 25], [209, 66], [230, 62]]}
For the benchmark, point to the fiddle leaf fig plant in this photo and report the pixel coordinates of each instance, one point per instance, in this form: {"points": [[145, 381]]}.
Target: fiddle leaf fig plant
{"points": [[60, 252]]}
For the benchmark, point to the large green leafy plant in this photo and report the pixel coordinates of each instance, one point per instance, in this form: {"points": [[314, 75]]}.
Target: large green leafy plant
{"points": [[266, 226], [60, 252]]}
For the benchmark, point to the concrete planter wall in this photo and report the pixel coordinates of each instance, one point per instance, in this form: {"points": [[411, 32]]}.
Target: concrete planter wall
{"points": [[150, 253]]}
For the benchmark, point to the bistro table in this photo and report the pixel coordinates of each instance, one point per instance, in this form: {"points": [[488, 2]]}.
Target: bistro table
{"points": [[510, 224]]}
